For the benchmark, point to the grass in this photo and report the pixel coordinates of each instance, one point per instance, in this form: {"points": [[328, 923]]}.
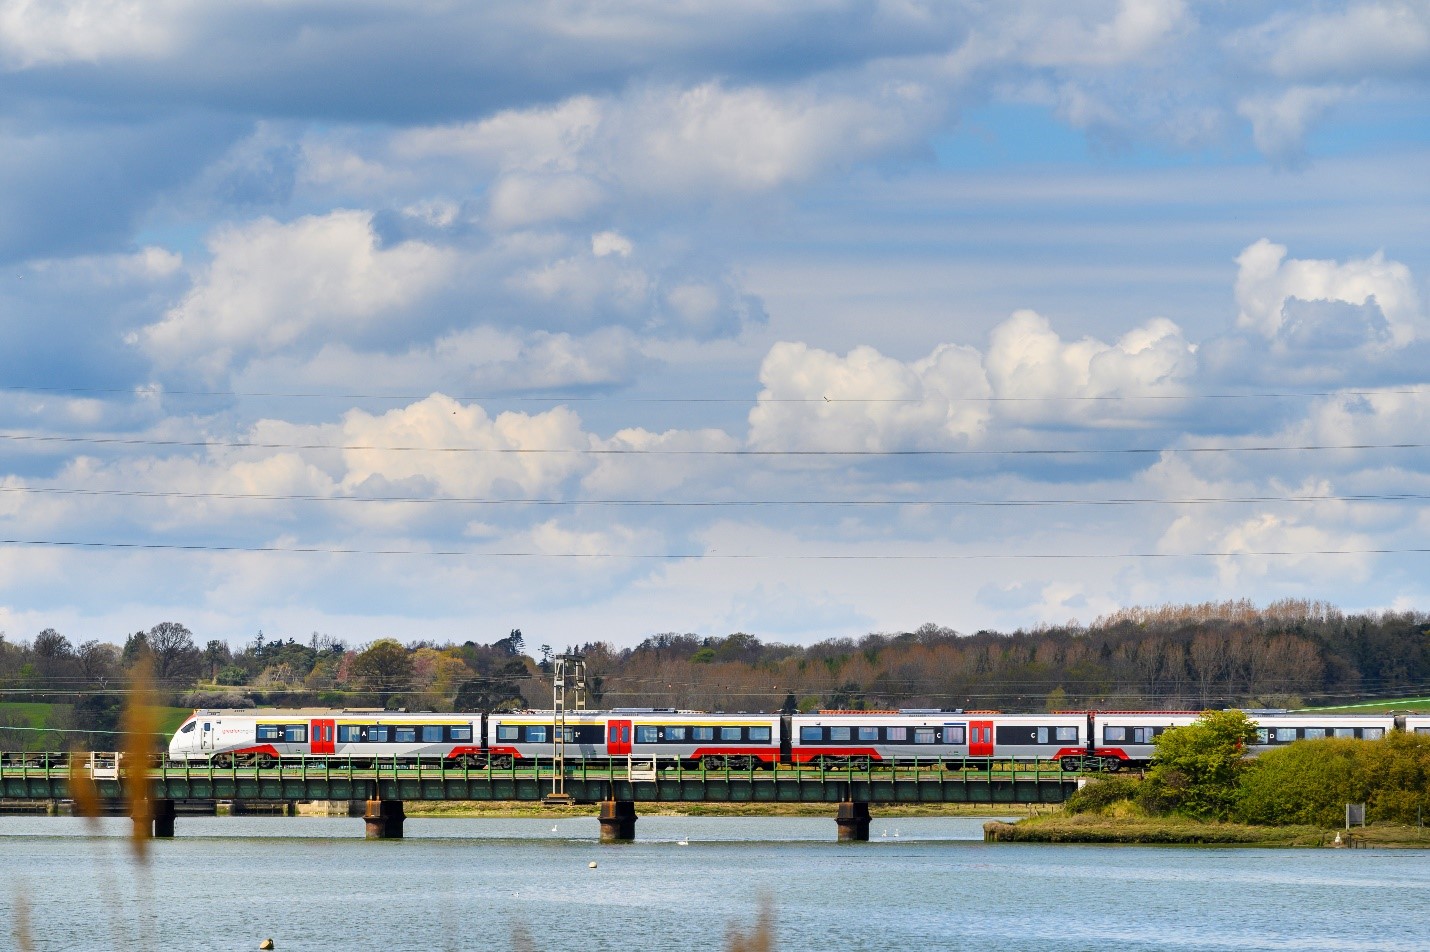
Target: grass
{"points": [[39, 716], [1125, 826], [1375, 707], [502, 809]]}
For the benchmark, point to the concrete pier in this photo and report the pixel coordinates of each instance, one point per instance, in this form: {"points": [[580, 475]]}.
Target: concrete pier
{"points": [[153, 819], [384, 819], [853, 822], [618, 821]]}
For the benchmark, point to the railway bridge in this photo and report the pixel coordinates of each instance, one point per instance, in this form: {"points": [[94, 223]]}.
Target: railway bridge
{"points": [[153, 790]]}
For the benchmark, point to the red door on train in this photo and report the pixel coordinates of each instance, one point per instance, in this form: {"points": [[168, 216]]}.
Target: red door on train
{"points": [[618, 738], [980, 738], [320, 738]]}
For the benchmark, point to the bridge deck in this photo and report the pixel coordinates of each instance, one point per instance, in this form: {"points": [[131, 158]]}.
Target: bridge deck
{"points": [[47, 777]]}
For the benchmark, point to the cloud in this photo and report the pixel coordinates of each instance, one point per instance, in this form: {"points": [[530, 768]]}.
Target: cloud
{"points": [[1280, 120], [273, 287], [1272, 292], [46, 32], [1378, 38]]}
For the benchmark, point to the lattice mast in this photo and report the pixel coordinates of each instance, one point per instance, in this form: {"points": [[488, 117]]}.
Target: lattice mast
{"points": [[568, 674]]}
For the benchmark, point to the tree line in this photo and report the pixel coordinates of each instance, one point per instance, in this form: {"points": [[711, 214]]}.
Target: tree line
{"points": [[1174, 657]]}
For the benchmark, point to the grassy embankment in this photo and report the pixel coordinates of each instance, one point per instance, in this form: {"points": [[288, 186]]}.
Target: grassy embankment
{"points": [[503, 809], [44, 726], [1132, 829]]}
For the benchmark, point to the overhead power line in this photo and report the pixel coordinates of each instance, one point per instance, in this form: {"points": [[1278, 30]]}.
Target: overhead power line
{"points": [[702, 556], [743, 400], [716, 503], [646, 451]]}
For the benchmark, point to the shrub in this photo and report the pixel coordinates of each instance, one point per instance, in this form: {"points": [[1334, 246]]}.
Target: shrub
{"points": [[1196, 768], [1098, 795]]}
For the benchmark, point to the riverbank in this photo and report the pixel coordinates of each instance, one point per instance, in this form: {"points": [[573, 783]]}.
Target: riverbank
{"points": [[1171, 831], [520, 809]]}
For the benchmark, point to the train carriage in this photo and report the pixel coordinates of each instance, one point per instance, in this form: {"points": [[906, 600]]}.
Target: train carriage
{"points": [[863, 738], [266, 736], [1277, 729], [665, 736]]}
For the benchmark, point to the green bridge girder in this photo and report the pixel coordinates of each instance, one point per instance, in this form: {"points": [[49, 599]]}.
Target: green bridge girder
{"points": [[326, 779]]}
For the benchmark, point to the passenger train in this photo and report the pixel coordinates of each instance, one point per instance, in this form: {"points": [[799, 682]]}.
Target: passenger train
{"points": [[1097, 740]]}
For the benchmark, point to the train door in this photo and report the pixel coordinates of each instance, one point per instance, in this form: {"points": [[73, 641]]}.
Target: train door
{"points": [[321, 738], [980, 738], [618, 738], [206, 734]]}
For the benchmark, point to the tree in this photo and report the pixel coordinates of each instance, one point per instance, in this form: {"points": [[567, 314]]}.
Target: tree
{"points": [[1196, 769], [176, 657], [383, 669], [513, 644]]}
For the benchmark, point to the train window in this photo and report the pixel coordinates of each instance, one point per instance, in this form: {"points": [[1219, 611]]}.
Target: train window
{"points": [[508, 732], [729, 733], [811, 735], [269, 732], [925, 735], [1315, 732], [1285, 734], [296, 733], [1114, 733], [675, 734], [760, 734], [349, 733], [702, 733], [1042, 735], [405, 735], [1143, 735], [868, 733], [899, 734], [1351, 731], [188, 727], [839, 733], [430, 733], [646, 735], [1263, 735], [464, 732], [1418, 730], [536, 734], [378, 734], [1373, 733], [1067, 733], [953, 734]]}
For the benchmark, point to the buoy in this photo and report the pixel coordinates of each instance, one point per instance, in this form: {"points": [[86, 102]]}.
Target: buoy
{"points": [[591, 865], [266, 944]]}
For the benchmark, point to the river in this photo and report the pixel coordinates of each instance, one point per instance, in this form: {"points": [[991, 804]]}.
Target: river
{"points": [[314, 883]]}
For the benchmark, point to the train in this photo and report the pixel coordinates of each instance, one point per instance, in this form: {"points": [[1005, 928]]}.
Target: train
{"points": [[954, 739]]}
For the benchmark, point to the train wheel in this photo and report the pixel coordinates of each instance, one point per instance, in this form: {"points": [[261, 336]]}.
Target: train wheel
{"points": [[502, 762], [472, 763], [859, 763], [714, 763], [266, 760], [1072, 764], [223, 760], [1111, 764]]}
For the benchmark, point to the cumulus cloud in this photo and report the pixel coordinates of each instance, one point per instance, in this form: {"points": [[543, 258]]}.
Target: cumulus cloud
{"points": [[460, 450], [1280, 120], [1372, 37], [1028, 376], [1272, 292], [45, 32], [273, 286]]}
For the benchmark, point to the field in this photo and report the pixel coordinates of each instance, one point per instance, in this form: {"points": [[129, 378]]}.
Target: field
{"points": [[1417, 704]]}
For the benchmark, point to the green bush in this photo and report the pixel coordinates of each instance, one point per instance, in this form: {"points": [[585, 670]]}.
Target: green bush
{"points": [[1098, 795], [1196, 768], [1311, 781]]}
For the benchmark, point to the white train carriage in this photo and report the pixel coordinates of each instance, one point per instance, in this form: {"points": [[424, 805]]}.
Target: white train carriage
{"points": [[265, 737], [1279, 729], [862, 738], [693, 738], [1124, 738]]}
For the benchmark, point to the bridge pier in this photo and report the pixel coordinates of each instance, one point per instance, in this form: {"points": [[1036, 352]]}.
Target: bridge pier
{"points": [[853, 822], [618, 821], [384, 819], [153, 819]]}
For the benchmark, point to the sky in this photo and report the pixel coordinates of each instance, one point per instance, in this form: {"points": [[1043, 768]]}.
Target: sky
{"points": [[430, 320]]}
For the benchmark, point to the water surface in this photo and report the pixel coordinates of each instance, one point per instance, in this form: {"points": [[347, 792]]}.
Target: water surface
{"points": [[928, 883]]}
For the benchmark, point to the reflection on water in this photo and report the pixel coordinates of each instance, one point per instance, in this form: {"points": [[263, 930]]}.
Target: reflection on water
{"points": [[927, 883]]}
